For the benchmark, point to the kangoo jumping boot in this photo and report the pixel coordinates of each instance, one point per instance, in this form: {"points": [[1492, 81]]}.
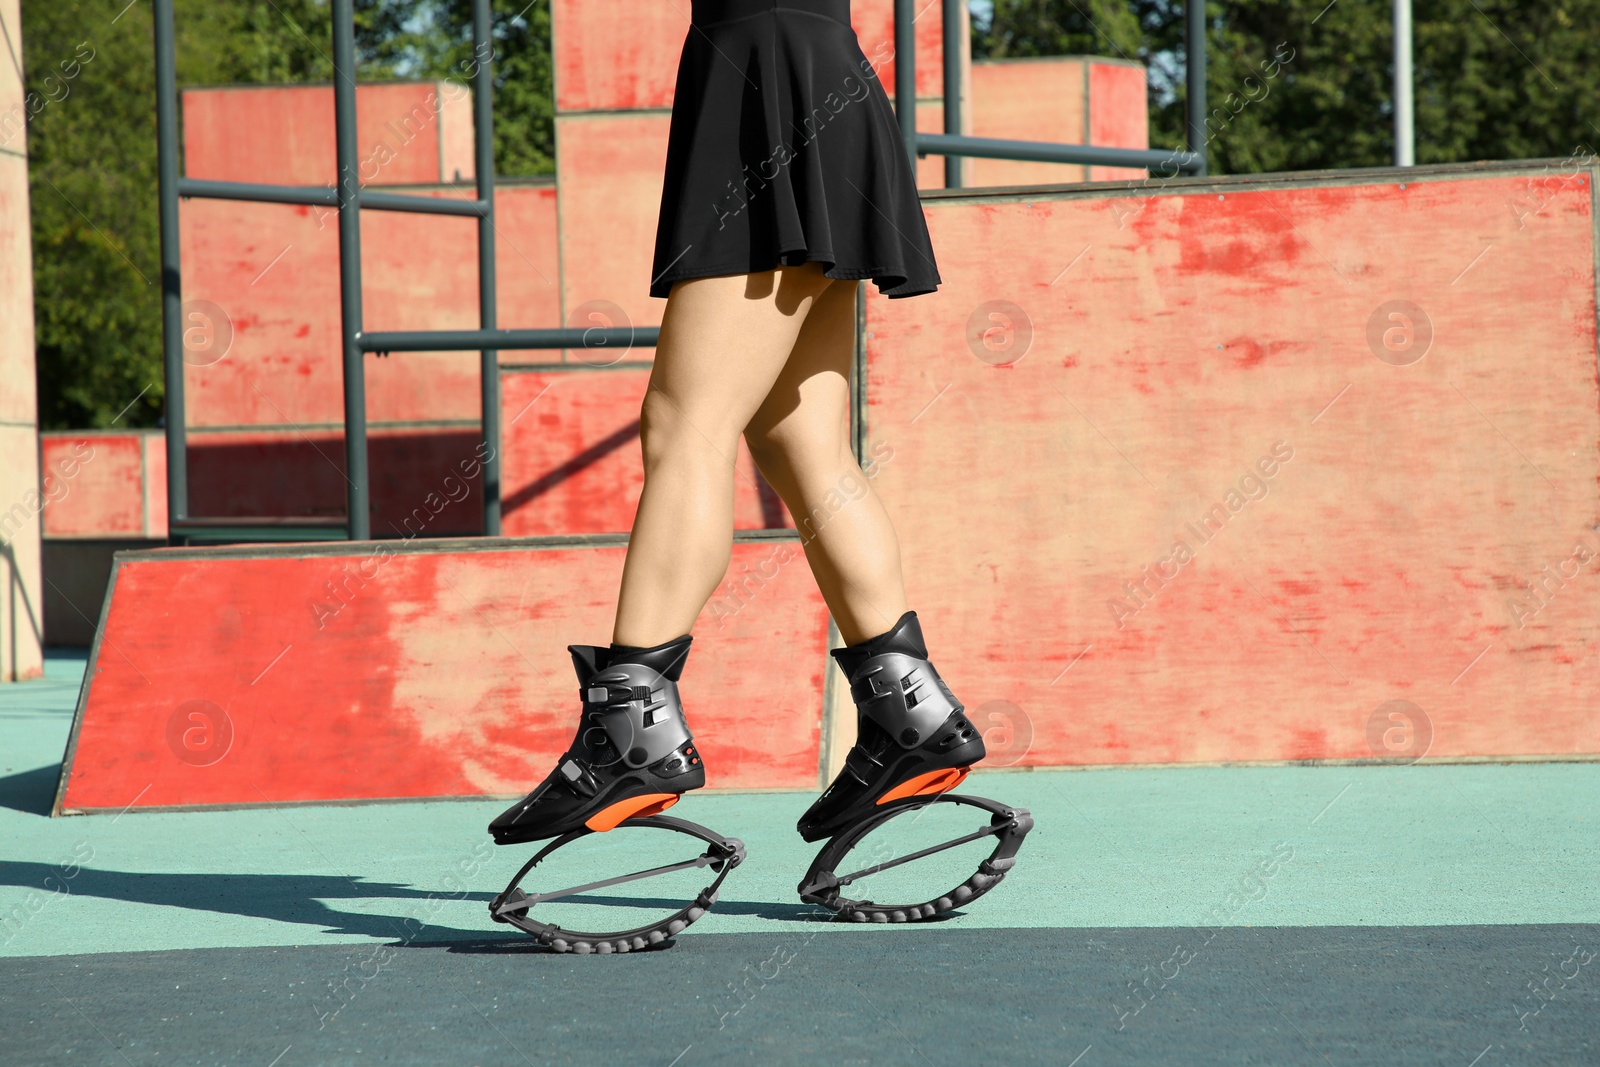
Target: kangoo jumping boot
{"points": [[632, 756], [913, 737]]}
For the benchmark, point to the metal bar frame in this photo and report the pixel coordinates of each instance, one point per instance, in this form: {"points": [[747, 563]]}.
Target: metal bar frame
{"points": [[956, 38], [349, 199], [357, 489], [462, 340], [171, 281], [1405, 135], [952, 143], [905, 76], [1051, 152], [489, 358], [315, 196], [347, 196], [1194, 43]]}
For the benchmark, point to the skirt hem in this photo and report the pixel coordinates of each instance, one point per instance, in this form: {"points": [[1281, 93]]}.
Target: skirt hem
{"points": [[896, 277], [843, 192]]}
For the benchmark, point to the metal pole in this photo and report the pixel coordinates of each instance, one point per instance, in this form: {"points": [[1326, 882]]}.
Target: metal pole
{"points": [[320, 196], [955, 44], [1195, 43], [905, 76], [1405, 143], [355, 392], [171, 277], [1050, 152], [483, 124]]}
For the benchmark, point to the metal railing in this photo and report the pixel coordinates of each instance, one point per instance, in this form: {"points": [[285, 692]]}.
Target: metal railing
{"points": [[952, 143], [349, 198]]}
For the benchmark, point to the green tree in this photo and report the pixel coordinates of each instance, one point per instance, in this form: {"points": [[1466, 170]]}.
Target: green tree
{"points": [[92, 147], [1015, 29], [433, 39], [1492, 79]]}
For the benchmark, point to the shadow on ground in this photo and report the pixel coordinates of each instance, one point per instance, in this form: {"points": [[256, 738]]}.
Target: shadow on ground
{"points": [[302, 899], [31, 792]]}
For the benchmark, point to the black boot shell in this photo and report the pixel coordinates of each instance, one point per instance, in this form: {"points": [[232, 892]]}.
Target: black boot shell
{"points": [[913, 737], [632, 754]]}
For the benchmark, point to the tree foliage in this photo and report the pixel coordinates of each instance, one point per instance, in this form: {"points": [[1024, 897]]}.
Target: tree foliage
{"points": [[89, 68], [433, 39], [1492, 79]]}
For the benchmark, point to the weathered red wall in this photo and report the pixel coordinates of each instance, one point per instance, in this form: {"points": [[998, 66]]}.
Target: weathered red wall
{"points": [[435, 670], [1034, 99], [1119, 115], [572, 457], [406, 133], [1176, 338], [1064, 99], [1134, 367], [96, 484], [608, 168], [273, 271], [570, 454]]}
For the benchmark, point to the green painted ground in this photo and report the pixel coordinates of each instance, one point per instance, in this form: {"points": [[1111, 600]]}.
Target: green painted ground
{"points": [[1370, 846], [1340, 916]]}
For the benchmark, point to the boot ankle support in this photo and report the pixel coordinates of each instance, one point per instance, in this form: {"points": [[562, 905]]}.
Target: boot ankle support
{"points": [[904, 695], [640, 711]]}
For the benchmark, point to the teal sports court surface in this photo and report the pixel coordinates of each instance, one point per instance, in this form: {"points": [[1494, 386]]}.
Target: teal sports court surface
{"points": [[1427, 914]]}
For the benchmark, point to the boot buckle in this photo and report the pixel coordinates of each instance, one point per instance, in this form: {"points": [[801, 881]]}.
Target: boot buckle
{"points": [[577, 776]]}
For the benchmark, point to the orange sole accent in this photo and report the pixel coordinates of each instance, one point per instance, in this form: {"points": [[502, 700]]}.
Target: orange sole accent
{"points": [[608, 818], [929, 784]]}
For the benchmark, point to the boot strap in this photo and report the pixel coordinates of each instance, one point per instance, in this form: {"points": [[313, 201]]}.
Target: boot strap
{"points": [[860, 765], [578, 777], [904, 695], [639, 710]]}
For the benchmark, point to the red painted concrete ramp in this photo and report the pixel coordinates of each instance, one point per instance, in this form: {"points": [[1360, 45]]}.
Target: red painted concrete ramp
{"points": [[363, 671], [1291, 468], [1217, 470]]}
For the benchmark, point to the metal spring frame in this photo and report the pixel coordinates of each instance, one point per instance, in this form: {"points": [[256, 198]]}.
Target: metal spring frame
{"points": [[349, 198], [514, 906], [822, 885]]}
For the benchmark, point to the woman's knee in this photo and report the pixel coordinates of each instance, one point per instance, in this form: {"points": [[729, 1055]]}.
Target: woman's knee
{"points": [[801, 458], [814, 430], [668, 428]]}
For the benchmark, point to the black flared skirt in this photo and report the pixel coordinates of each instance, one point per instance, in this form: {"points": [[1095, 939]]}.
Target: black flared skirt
{"points": [[784, 149]]}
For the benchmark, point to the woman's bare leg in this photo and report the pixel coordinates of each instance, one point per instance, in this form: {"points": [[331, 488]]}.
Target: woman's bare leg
{"points": [[800, 438], [724, 341]]}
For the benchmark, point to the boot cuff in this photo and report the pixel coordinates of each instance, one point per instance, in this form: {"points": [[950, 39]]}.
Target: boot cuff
{"points": [[904, 637], [666, 658]]}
